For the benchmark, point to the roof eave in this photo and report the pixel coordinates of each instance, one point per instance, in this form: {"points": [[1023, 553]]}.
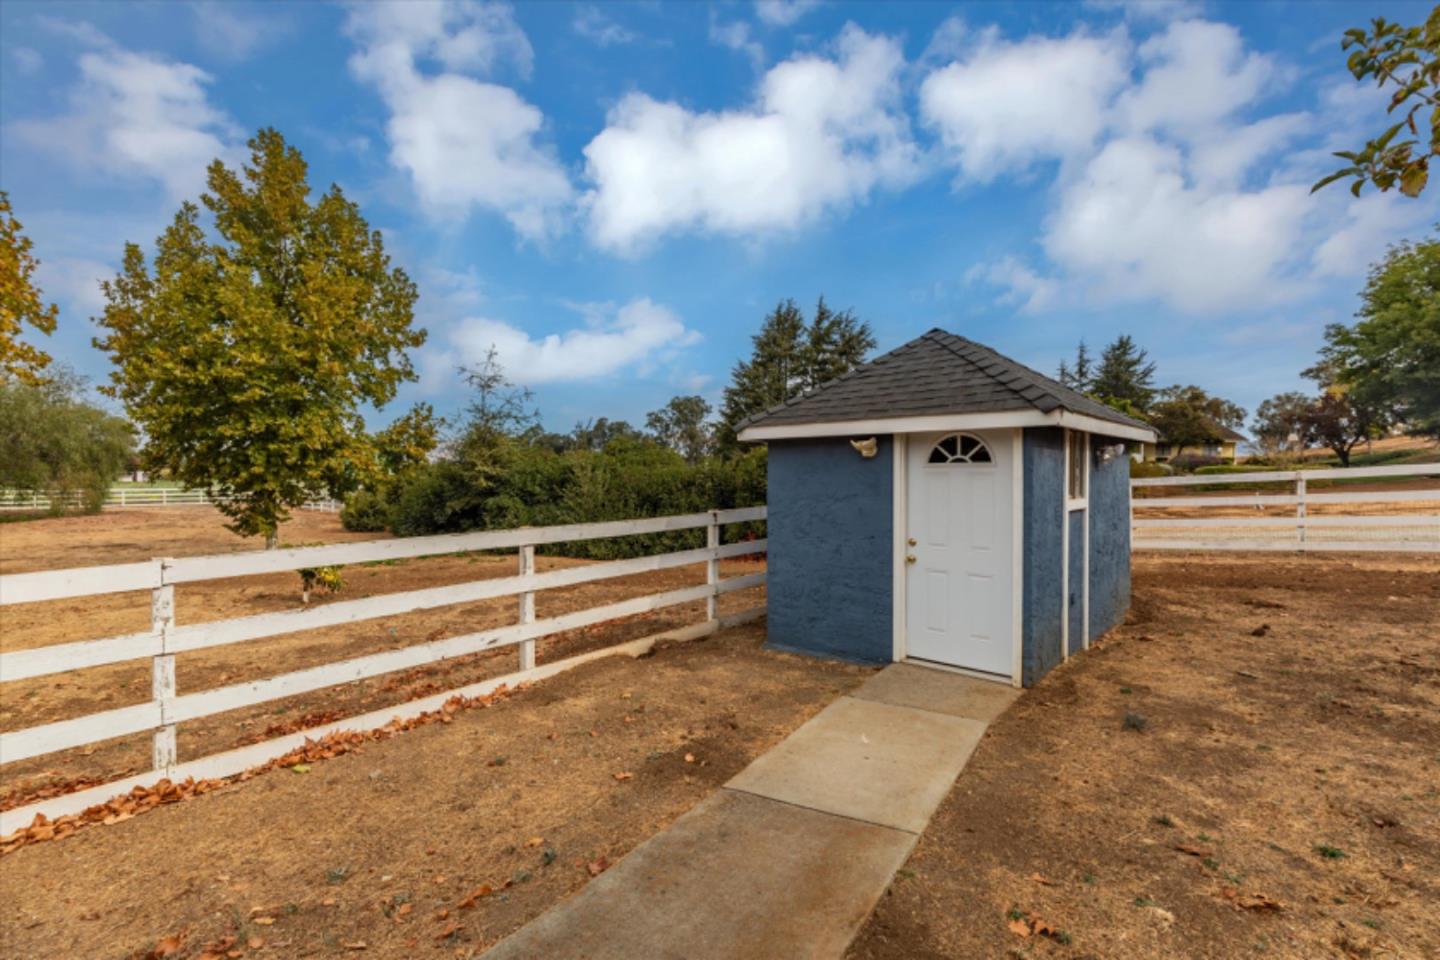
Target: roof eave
{"points": [[950, 421]]}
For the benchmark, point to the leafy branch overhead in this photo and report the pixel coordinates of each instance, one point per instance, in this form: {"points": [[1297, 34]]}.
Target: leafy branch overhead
{"points": [[20, 302], [1407, 59]]}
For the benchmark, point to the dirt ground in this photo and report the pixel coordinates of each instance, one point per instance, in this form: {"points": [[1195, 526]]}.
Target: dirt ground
{"points": [[1250, 766], [128, 535], [382, 848]]}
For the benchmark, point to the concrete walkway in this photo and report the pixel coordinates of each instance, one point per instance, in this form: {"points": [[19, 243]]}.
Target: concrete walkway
{"points": [[789, 857]]}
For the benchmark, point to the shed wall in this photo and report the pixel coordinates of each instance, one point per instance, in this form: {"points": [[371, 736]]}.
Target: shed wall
{"points": [[1042, 602], [829, 585], [1109, 540]]}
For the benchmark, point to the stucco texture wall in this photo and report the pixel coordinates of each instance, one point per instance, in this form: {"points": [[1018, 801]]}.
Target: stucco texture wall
{"points": [[1042, 603], [1075, 586], [1109, 540], [829, 567]]}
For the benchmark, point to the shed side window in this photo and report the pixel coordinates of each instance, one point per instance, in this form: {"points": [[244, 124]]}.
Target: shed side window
{"points": [[1076, 441], [960, 448]]}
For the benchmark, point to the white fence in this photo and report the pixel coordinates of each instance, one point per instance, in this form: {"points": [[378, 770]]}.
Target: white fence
{"points": [[1290, 521], [167, 707], [121, 496]]}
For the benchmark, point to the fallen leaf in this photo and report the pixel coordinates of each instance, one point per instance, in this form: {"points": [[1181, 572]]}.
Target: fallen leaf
{"points": [[1020, 928], [263, 921], [442, 913], [449, 930], [689, 758], [597, 867], [1192, 850], [357, 945], [534, 841], [1041, 880], [476, 894], [168, 945], [300, 768], [626, 775], [255, 943]]}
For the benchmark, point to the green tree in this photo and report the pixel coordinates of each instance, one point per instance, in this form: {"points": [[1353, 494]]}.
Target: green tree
{"points": [[1125, 378], [1188, 416], [683, 426], [599, 434], [499, 411], [55, 443], [409, 440], [1341, 424], [1407, 59], [20, 302], [246, 354], [1390, 358], [789, 357], [1282, 417], [1079, 375]]}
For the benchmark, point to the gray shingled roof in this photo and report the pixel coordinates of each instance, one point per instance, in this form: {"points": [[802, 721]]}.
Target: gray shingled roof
{"points": [[936, 373]]}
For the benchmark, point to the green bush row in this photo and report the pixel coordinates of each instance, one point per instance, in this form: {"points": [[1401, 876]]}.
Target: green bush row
{"points": [[530, 485]]}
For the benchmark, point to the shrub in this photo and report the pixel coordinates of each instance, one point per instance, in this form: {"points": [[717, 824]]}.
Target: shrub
{"points": [[1215, 468], [366, 511], [1144, 469], [1190, 462]]}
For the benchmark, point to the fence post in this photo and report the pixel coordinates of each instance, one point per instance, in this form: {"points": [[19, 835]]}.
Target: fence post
{"points": [[712, 566], [1300, 510], [527, 607], [162, 670]]}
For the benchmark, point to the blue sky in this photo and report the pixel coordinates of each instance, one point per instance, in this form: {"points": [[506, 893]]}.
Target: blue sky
{"points": [[615, 194]]}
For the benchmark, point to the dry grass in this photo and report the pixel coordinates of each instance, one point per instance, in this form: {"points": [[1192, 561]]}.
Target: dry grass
{"points": [[1279, 716]]}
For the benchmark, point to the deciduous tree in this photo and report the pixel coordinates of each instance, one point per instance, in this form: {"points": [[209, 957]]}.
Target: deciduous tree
{"points": [[246, 351], [1389, 360], [21, 304], [1281, 421], [1188, 416], [53, 442], [683, 426]]}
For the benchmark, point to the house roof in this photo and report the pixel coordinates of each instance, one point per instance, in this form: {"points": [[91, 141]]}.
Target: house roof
{"points": [[936, 374], [1227, 434]]}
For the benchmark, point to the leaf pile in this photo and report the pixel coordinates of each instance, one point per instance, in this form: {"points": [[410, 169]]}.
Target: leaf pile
{"points": [[141, 799]]}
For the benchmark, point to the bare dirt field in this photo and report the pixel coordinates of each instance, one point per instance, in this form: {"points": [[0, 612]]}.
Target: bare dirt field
{"points": [[129, 535], [385, 850], [1250, 766]]}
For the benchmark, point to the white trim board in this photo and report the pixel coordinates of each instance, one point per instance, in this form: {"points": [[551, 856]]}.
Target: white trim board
{"points": [[952, 421]]}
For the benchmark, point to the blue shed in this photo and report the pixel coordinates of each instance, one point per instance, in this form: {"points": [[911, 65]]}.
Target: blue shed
{"points": [[946, 504]]}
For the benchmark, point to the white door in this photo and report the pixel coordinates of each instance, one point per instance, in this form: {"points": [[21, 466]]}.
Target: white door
{"points": [[960, 501]]}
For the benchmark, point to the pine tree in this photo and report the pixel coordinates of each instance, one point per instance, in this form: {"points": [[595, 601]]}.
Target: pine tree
{"points": [[790, 357], [1125, 378], [1077, 376]]}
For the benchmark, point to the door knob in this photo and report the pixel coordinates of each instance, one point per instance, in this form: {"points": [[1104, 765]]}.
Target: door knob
{"points": [[911, 541], [910, 558]]}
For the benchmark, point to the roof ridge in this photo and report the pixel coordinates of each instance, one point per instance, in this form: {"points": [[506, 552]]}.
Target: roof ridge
{"points": [[970, 360]]}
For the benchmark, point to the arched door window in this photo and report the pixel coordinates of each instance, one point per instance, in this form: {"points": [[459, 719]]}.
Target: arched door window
{"points": [[960, 448]]}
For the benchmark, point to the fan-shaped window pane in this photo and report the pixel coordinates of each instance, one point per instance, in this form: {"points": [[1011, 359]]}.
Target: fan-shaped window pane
{"points": [[960, 448]]}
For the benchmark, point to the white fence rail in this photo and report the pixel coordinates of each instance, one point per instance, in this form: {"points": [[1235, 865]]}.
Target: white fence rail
{"points": [[1414, 528], [167, 707], [122, 496]]}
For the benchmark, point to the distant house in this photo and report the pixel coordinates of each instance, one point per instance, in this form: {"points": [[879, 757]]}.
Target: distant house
{"points": [[1226, 448]]}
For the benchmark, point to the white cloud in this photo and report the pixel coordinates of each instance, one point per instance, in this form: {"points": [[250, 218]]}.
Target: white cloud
{"points": [[615, 340], [736, 36], [1149, 10], [465, 143], [591, 23], [783, 13], [1133, 228], [27, 61], [821, 135], [1197, 74], [75, 283], [1006, 105], [1369, 225], [233, 32], [1021, 286], [136, 115]]}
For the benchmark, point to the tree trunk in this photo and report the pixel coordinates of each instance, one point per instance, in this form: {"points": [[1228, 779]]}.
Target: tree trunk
{"points": [[272, 539]]}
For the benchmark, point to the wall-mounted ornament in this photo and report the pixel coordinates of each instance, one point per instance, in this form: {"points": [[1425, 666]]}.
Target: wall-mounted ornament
{"points": [[867, 448], [1109, 451]]}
